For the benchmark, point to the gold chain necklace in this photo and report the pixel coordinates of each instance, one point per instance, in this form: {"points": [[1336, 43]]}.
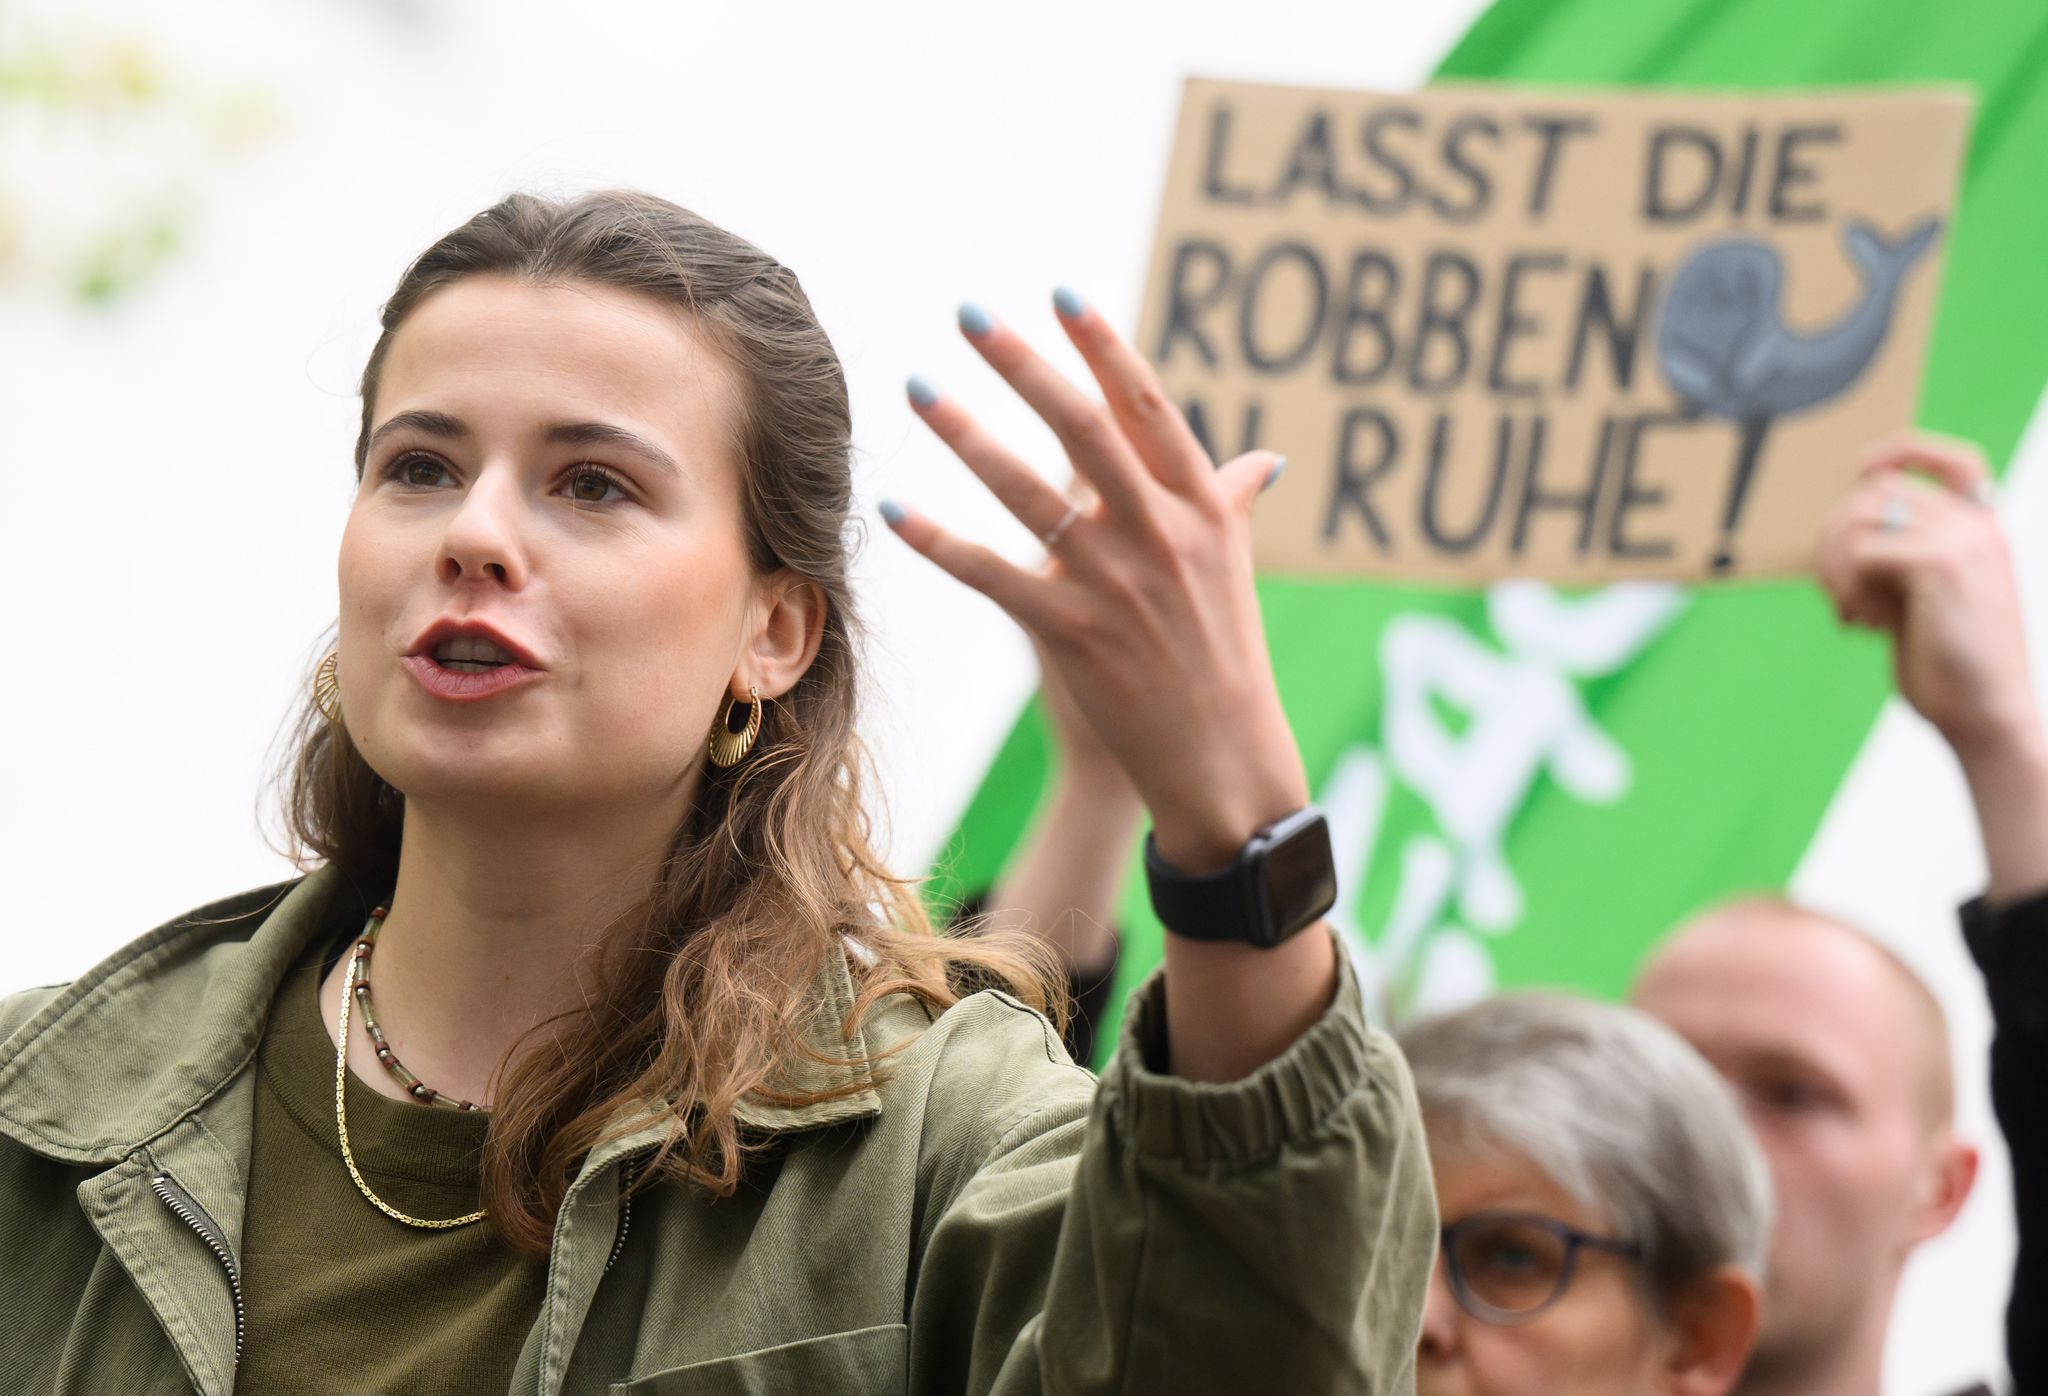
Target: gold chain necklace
{"points": [[348, 992]]}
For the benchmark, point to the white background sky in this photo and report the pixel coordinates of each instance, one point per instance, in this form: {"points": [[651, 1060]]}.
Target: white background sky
{"points": [[178, 467]]}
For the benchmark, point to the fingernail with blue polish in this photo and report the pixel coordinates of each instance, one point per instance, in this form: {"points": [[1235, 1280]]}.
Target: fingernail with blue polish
{"points": [[1068, 303], [974, 320], [892, 512], [1274, 474], [921, 392]]}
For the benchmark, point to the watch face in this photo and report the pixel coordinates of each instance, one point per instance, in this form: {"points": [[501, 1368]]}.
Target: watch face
{"points": [[1299, 877]]}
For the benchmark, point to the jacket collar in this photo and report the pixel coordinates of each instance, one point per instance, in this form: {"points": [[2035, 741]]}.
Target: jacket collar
{"points": [[164, 1024], [836, 1061], [158, 1028]]}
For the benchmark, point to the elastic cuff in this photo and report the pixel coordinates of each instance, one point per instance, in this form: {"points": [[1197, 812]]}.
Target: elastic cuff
{"points": [[1230, 1124]]}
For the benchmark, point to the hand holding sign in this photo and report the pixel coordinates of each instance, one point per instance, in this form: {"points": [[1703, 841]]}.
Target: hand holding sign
{"points": [[1916, 553]]}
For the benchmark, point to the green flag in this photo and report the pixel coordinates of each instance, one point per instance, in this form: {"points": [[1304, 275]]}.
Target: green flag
{"points": [[1528, 787]]}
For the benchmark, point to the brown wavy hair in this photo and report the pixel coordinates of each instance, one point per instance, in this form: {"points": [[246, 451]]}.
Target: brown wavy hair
{"points": [[705, 991]]}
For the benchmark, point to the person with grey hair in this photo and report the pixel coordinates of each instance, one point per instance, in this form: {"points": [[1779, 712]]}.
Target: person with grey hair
{"points": [[1605, 1210]]}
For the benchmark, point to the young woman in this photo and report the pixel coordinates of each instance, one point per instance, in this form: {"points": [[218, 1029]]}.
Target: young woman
{"points": [[598, 1052]]}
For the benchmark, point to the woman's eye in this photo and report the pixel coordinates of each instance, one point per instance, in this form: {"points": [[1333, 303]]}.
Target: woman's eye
{"points": [[422, 471], [589, 485], [1511, 1259]]}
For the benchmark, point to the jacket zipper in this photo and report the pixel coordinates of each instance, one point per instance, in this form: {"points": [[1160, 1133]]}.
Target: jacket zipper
{"points": [[627, 1170], [188, 1211]]}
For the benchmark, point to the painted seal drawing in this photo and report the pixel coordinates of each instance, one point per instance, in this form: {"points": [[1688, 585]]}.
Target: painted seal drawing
{"points": [[1725, 349], [1722, 342]]}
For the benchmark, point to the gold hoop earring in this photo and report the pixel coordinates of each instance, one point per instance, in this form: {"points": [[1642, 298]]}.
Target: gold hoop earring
{"points": [[327, 687], [728, 744]]}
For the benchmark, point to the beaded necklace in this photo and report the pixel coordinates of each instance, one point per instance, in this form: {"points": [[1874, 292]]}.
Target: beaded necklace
{"points": [[416, 1088], [356, 988]]}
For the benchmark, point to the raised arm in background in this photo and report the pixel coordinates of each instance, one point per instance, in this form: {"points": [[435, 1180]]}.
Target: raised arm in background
{"points": [[1917, 554]]}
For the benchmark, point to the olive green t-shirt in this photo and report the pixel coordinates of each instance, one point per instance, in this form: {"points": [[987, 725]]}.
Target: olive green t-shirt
{"points": [[339, 1297]]}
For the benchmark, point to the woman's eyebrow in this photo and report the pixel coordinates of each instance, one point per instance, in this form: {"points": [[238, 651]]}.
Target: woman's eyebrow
{"points": [[605, 434], [443, 425], [426, 423]]}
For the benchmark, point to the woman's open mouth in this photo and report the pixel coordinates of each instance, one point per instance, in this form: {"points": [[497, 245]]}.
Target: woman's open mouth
{"points": [[466, 668], [471, 654], [466, 660], [465, 680]]}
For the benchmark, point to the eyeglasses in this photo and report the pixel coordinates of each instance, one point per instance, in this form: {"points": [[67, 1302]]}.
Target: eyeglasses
{"points": [[1508, 1267]]}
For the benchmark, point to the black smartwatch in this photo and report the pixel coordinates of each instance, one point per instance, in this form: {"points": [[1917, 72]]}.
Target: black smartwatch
{"points": [[1283, 879]]}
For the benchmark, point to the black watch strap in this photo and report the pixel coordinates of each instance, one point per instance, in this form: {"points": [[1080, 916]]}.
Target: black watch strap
{"points": [[1282, 880]]}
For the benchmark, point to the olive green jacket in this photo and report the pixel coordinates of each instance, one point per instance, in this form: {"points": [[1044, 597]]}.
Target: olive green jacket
{"points": [[981, 1216]]}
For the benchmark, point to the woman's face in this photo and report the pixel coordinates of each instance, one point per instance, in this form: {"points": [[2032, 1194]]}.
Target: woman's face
{"points": [[550, 481], [1597, 1339]]}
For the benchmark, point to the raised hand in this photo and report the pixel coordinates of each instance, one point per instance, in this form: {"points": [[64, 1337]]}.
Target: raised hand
{"points": [[1916, 553], [1146, 614], [1078, 756]]}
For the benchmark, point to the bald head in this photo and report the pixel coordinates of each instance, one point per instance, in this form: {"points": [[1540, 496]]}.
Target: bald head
{"points": [[1822, 975], [1840, 1058]]}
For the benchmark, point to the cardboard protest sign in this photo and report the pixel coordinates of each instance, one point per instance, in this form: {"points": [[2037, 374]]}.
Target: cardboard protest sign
{"points": [[1575, 336]]}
